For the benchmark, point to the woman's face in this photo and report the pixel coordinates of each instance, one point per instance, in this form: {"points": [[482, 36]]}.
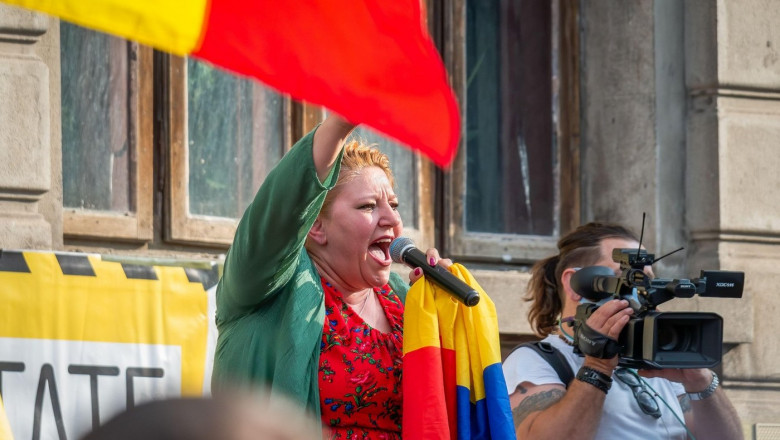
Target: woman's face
{"points": [[362, 221]]}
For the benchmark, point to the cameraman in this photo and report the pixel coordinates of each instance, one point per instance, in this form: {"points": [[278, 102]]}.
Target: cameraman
{"points": [[603, 401]]}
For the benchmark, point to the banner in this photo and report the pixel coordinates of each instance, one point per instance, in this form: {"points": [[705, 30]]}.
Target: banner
{"points": [[82, 339]]}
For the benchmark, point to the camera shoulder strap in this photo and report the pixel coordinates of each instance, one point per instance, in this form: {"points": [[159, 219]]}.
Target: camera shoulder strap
{"points": [[553, 357]]}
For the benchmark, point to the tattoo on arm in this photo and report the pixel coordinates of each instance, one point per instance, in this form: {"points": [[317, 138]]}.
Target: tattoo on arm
{"points": [[685, 403], [536, 402]]}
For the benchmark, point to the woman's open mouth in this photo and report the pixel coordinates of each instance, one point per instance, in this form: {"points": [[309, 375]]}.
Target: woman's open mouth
{"points": [[380, 251]]}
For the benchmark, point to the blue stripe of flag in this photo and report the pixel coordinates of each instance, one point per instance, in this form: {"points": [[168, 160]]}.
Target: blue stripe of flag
{"points": [[489, 418]]}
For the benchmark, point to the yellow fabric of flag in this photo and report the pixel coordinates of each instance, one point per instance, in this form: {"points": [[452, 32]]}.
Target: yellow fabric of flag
{"points": [[171, 25]]}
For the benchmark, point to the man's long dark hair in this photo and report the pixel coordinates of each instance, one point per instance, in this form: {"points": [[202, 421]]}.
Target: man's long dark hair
{"points": [[578, 248]]}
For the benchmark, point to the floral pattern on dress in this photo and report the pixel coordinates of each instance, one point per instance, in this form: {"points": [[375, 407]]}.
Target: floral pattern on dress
{"points": [[360, 370]]}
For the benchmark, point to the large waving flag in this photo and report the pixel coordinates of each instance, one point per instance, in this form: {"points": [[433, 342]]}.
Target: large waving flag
{"points": [[371, 61], [453, 384]]}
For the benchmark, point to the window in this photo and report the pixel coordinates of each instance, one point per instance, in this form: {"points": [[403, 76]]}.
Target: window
{"points": [[220, 136], [509, 199], [106, 135], [167, 152], [226, 133]]}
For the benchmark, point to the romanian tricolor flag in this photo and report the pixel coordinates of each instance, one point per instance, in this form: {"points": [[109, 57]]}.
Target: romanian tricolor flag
{"points": [[453, 385], [371, 61]]}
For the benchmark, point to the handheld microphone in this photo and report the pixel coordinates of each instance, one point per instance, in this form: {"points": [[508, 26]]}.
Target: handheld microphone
{"points": [[402, 251]]}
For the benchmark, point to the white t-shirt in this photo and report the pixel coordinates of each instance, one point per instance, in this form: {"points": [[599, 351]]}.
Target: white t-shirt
{"points": [[622, 418]]}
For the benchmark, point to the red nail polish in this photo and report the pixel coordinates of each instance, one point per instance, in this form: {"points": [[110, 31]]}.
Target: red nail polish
{"points": [[433, 262], [417, 271]]}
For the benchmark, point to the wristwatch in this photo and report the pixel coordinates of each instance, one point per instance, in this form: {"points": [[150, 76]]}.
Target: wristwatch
{"points": [[701, 395]]}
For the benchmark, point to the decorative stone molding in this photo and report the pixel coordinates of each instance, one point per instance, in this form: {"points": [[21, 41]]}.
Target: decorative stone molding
{"points": [[21, 25], [732, 218], [25, 130], [24, 125]]}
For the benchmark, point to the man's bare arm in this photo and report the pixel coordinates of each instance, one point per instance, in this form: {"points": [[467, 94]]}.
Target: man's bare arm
{"points": [[552, 411], [713, 417], [533, 403]]}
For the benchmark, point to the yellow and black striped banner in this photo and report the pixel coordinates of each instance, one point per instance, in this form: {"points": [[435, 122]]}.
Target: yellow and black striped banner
{"points": [[82, 338]]}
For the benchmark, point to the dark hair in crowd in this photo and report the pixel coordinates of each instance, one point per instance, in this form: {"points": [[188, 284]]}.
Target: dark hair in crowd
{"points": [[578, 248]]}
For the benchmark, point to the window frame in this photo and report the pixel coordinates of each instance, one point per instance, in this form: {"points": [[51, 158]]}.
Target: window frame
{"points": [[516, 248], [181, 226], [137, 224]]}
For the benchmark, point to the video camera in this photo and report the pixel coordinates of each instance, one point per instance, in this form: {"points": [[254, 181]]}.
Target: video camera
{"points": [[653, 339]]}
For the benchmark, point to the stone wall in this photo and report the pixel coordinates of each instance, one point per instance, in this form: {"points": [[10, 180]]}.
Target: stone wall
{"points": [[733, 79], [30, 189], [681, 119]]}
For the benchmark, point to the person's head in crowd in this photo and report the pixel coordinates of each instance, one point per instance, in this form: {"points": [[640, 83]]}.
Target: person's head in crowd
{"points": [[589, 245], [230, 416]]}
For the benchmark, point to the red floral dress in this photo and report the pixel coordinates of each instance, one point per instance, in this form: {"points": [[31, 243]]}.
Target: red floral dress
{"points": [[360, 370]]}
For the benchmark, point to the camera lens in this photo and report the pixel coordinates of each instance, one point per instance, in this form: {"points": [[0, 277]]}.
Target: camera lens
{"points": [[674, 338], [667, 339], [681, 339]]}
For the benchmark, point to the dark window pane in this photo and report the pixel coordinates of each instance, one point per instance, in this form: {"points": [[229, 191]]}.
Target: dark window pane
{"points": [[95, 116], [234, 136], [404, 171], [509, 132]]}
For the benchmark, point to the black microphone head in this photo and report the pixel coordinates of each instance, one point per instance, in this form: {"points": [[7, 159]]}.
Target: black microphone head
{"points": [[397, 248], [582, 281]]}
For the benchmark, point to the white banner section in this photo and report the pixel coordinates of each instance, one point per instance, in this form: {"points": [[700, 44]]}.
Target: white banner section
{"points": [[55, 389]]}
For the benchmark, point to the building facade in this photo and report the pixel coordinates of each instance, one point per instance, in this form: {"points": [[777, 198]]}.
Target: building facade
{"points": [[572, 111]]}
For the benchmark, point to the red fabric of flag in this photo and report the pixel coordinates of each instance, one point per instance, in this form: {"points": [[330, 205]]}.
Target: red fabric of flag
{"points": [[371, 61], [429, 394]]}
